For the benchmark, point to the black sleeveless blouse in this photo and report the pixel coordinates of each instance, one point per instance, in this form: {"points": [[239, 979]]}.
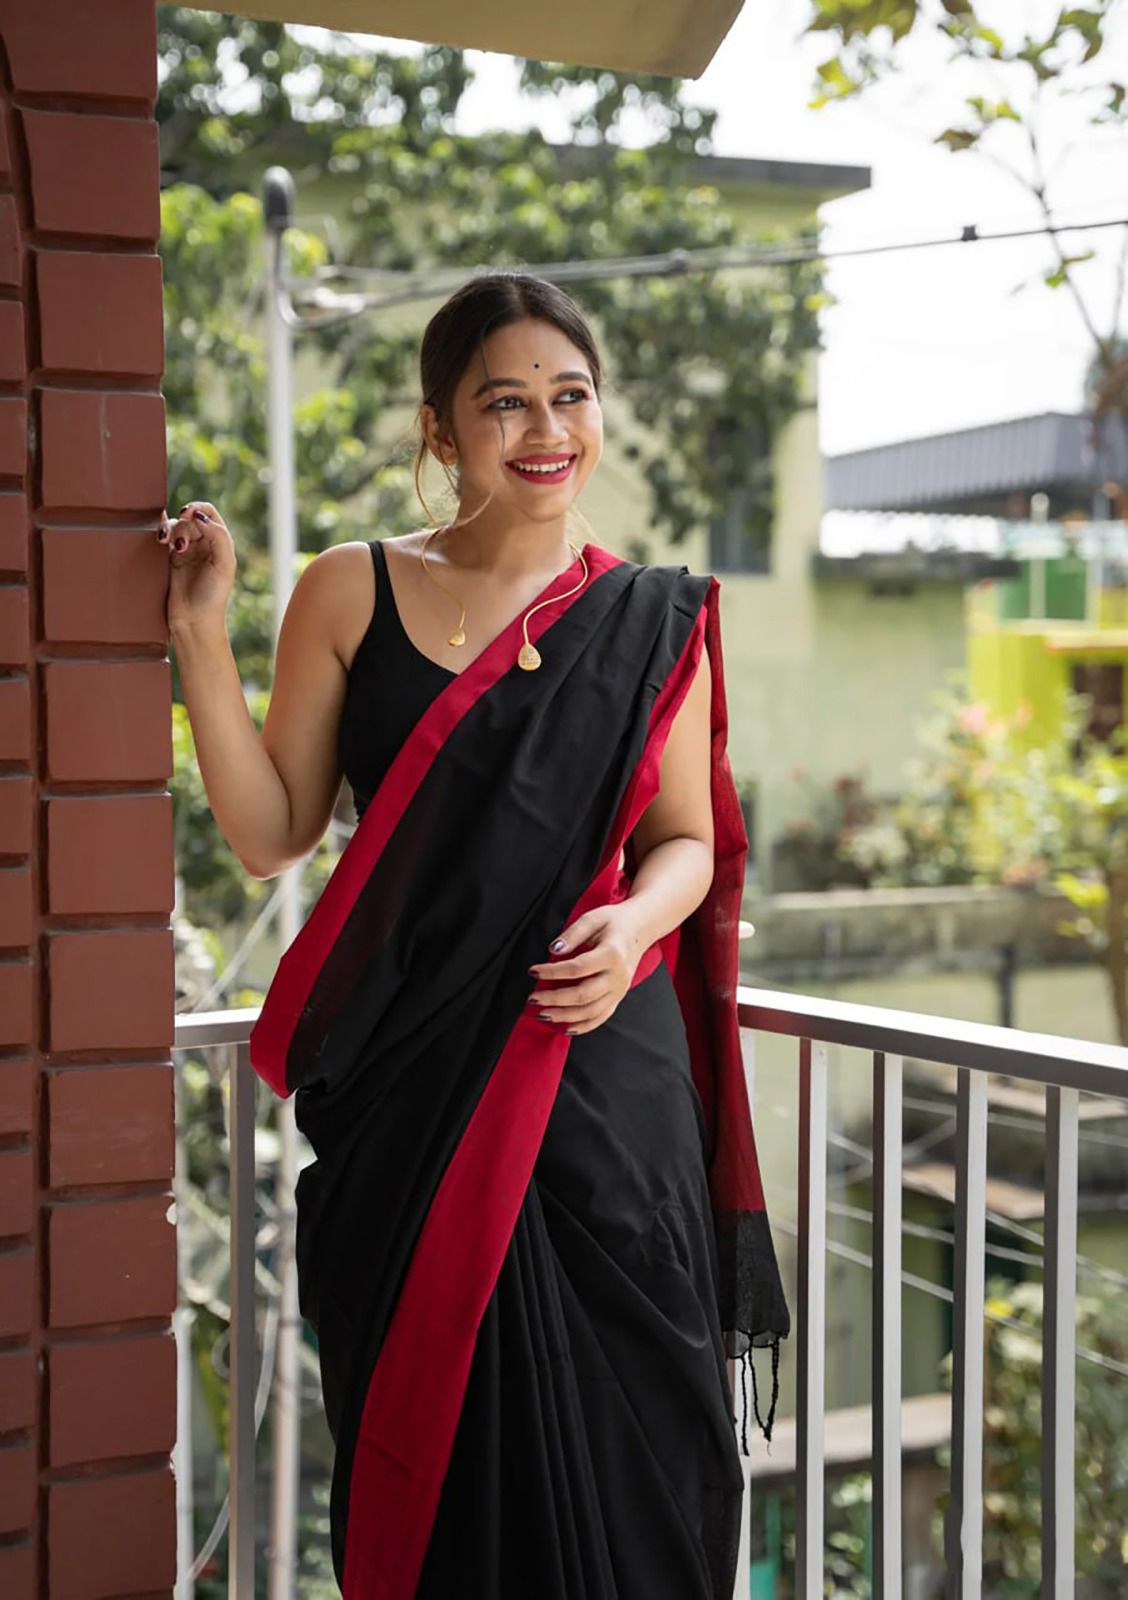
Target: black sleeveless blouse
{"points": [[390, 685]]}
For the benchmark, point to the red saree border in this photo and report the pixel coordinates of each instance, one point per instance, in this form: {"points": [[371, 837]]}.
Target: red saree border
{"points": [[300, 964], [418, 1385]]}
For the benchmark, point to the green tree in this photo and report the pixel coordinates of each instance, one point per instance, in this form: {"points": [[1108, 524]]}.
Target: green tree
{"points": [[1026, 57], [994, 801], [1012, 1496], [710, 366]]}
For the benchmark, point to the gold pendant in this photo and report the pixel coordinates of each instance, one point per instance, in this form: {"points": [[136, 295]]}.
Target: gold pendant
{"points": [[457, 637], [529, 657]]}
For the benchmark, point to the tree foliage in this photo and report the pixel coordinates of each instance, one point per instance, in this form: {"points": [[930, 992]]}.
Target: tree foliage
{"points": [[992, 799], [1026, 55]]}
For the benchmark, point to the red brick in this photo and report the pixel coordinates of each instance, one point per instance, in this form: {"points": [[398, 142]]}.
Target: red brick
{"points": [[103, 450], [11, 247], [15, 630], [104, 586], [112, 1397], [16, 806], [15, 1095], [15, 1002], [13, 436], [108, 720], [111, 1261], [15, 720], [111, 1536], [13, 533], [17, 1488], [111, 990], [100, 313], [17, 1390], [17, 1288], [94, 175], [13, 347], [56, 47], [17, 1572], [15, 907], [110, 1125], [17, 1192], [110, 853]]}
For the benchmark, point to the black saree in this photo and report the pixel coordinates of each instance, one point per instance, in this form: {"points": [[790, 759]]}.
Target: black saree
{"points": [[525, 1256]]}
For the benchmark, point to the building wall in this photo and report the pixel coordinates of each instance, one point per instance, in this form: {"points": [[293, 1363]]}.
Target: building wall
{"points": [[87, 1244], [821, 675]]}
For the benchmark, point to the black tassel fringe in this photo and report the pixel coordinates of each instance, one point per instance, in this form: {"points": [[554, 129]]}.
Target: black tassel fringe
{"points": [[748, 1365]]}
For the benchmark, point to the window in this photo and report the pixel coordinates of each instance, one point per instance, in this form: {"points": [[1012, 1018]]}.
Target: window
{"points": [[735, 544], [1103, 681], [732, 548]]}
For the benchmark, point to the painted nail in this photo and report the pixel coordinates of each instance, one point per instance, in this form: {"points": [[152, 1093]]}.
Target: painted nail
{"points": [[162, 535], [545, 1016], [557, 945], [180, 543], [201, 516]]}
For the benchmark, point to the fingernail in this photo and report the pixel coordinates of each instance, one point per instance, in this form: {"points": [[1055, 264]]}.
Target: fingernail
{"points": [[556, 946], [162, 535], [180, 543], [544, 1016], [201, 516]]}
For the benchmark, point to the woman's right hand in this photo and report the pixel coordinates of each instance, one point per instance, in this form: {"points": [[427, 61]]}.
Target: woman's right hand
{"points": [[202, 561]]}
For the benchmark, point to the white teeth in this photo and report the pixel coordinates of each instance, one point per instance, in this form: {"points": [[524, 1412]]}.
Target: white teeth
{"points": [[556, 466]]}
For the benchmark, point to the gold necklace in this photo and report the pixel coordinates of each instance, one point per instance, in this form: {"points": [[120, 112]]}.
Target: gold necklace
{"points": [[528, 657]]}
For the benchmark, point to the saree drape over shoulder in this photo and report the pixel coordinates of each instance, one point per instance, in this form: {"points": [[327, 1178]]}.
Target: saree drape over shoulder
{"points": [[526, 1255]]}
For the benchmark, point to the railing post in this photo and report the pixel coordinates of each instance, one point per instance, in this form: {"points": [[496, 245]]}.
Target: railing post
{"points": [[241, 1392], [811, 1322], [1058, 1344], [888, 1077], [182, 1324], [963, 1539]]}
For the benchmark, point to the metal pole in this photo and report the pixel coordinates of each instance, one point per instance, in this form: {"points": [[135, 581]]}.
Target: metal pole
{"points": [[241, 1344], [278, 211], [182, 1325]]}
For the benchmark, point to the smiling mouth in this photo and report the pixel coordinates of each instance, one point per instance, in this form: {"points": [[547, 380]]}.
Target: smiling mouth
{"points": [[535, 474]]}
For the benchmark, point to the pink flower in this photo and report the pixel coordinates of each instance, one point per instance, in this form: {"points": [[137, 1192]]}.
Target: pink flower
{"points": [[975, 718]]}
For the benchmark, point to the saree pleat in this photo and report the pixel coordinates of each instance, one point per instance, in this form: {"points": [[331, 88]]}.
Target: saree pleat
{"points": [[508, 1239], [597, 1399]]}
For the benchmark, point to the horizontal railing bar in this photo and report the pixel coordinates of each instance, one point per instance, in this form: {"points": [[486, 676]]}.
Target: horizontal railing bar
{"points": [[198, 1029], [1039, 1057], [982, 1047]]}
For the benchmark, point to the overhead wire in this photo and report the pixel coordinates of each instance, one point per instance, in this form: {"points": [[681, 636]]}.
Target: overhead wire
{"points": [[415, 285]]}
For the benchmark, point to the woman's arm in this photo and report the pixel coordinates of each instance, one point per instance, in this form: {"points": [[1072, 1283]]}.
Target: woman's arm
{"points": [[673, 839], [271, 794]]}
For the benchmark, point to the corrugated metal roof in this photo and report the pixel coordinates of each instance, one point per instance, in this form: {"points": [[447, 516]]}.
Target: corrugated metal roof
{"points": [[949, 469]]}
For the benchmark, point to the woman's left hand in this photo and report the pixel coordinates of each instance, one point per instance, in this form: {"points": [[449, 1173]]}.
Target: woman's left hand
{"points": [[602, 974]]}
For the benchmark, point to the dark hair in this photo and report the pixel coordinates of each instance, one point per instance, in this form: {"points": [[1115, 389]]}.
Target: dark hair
{"points": [[458, 329]]}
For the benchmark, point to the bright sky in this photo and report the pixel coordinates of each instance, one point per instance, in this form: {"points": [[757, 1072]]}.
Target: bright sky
{"points": [[920, 341]]}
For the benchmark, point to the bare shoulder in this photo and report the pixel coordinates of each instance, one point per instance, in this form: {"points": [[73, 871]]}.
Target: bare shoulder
{"points": [[335, 596]]}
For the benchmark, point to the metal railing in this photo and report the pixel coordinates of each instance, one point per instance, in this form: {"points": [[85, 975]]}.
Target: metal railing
{"points": [[1067, 1067]]}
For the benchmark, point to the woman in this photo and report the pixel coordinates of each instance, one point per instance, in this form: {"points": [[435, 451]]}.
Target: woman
{"points": [[534, 1225]]}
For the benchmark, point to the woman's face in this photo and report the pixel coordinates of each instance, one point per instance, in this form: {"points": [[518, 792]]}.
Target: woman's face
{"points": [[527, 424]]}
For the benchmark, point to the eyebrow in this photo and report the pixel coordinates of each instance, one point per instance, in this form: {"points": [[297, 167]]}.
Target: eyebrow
{"points": [[519, 383]]}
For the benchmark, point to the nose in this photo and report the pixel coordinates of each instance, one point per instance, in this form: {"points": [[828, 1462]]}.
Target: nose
{"points": [[544, 424]]}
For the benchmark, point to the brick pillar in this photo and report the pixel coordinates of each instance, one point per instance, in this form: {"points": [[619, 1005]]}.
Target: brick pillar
{"points": [[87, 1246]]}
